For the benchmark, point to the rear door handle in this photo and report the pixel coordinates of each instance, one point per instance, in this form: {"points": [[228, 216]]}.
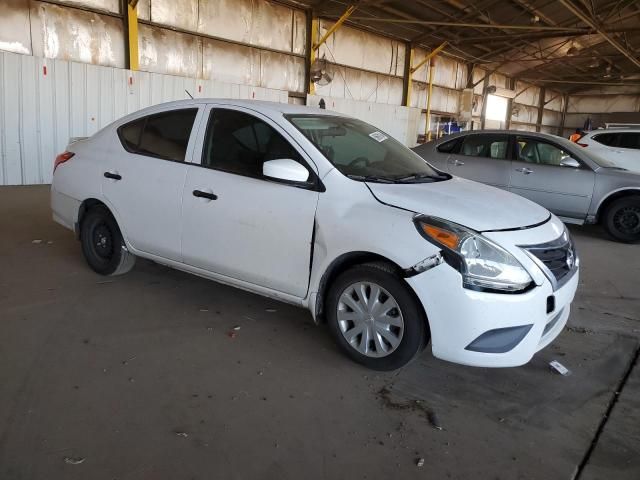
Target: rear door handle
{"points": [[113, 176], [208, 195], [524, 170], [456, 162]]}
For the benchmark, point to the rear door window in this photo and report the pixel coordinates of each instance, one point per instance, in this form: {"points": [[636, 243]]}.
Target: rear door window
{"points": [[163, 135], [608, 139], [487, 146], [629, 140], [452, 146]]}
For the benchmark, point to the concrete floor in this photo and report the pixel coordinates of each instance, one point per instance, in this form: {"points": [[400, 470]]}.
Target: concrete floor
{"points": [[138, 376]]}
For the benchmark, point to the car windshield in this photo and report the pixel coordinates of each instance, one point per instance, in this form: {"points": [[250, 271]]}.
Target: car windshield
{"points": [[362, 152]]}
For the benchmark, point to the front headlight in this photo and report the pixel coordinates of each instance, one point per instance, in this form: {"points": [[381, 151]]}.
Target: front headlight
{"points": [[483, 264]]}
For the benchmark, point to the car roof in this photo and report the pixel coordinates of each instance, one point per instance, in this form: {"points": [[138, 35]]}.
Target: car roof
{"points": [[257, 105], [613, 130], [498, 132]]}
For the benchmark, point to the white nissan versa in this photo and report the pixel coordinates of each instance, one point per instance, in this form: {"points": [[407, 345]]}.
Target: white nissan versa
{"points": [[323, 211]]}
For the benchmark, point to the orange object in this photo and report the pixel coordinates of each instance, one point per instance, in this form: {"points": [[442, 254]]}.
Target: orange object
{"points": [[441, 235]]}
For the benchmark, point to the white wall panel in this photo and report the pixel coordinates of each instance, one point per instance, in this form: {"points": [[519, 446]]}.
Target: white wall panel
{"points": [[76, 35], [603, 103], [401, 123], [551, 117], [524, 113], [363, 50], [15, 28], [39, 112], [359, 85], [527, 94], [553, 100]]}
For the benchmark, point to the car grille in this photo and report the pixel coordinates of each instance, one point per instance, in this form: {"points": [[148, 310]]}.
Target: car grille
{"points": [[558, 258]]}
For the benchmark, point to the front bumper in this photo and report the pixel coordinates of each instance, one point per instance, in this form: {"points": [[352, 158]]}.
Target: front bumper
{"points": [[458, 317], [497, 329]]}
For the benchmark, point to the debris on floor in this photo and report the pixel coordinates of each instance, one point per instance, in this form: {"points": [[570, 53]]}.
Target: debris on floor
{"points": [[236, 328], [74, 460], [204, 309], [270, 310], [182, 434], [557, 367], [433, 420], [420, 462], [37, 241], [584, 330], [126, 362], [232, 334]]}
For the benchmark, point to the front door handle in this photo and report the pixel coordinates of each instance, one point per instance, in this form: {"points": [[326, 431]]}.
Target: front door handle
{"points": [[207, 195], [113, 176], [456, 162], [524, 170]]}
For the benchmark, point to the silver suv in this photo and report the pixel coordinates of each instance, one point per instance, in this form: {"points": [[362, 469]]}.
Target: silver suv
{"points": [[575, 184]]}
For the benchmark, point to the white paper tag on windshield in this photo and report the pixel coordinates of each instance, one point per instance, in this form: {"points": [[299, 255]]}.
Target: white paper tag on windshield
{"points": [[378, 136]]}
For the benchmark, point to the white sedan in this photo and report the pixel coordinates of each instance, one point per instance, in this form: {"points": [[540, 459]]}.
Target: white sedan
{"points": [[326, 212]]}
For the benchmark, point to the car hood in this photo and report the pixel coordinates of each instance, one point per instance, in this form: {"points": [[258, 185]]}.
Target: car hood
{"points": [[467, 203]]}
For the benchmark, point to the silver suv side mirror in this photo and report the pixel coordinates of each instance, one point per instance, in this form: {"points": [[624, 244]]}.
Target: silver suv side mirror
{"points": [[569, 162], [285, 169]]}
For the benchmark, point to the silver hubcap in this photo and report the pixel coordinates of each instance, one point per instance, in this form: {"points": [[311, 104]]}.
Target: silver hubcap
{"points": [[370, 319]]}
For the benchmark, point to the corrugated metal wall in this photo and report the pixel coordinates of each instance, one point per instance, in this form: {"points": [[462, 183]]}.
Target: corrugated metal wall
{"points": [[45, 102]]}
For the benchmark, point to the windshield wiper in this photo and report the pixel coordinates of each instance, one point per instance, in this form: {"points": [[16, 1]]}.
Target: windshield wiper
{"points": [[372, 178], [414, 177]]}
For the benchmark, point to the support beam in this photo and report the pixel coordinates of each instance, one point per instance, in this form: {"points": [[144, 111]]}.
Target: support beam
{"points": [[315, 45], [414, 68], [407, 80], [565, 105], [512, 85], [431, 54], [432, 65], [471, 25], [593, 24], [132, 34], [541, 105], [335, 26]]}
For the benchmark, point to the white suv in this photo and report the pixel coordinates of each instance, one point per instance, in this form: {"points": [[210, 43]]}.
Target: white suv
{"points": [[326, 212], [620, 146]]}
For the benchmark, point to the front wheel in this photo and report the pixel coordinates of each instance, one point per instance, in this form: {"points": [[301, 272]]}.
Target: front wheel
{"points": [[102, 243], [375, 318], [622, 219]]}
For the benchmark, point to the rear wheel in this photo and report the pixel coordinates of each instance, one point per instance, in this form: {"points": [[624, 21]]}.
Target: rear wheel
{"points": [[102, 243], [622, 219], [375, 318]]}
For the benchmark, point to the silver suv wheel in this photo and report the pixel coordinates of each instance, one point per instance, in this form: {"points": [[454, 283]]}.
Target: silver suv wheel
{"points": [[370, 319]]}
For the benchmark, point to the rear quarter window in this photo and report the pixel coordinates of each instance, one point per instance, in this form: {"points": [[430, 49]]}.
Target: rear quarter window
{"points": [[163, 135]]}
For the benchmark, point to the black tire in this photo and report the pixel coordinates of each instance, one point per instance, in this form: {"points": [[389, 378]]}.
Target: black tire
{"points": [[415, 336], [622, 219], [102, 243]]}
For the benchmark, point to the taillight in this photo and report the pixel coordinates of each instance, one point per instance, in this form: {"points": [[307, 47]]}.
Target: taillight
{"points": [[60, 159], [582, 144]]}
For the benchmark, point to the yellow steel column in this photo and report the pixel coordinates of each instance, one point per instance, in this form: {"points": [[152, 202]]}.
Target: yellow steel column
{"points": [[315, 23], [315, 28], [428, 125], [132, 23]]}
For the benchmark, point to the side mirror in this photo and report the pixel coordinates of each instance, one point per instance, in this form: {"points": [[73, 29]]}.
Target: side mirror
{"points": [[569, 162], [285, 169]]}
